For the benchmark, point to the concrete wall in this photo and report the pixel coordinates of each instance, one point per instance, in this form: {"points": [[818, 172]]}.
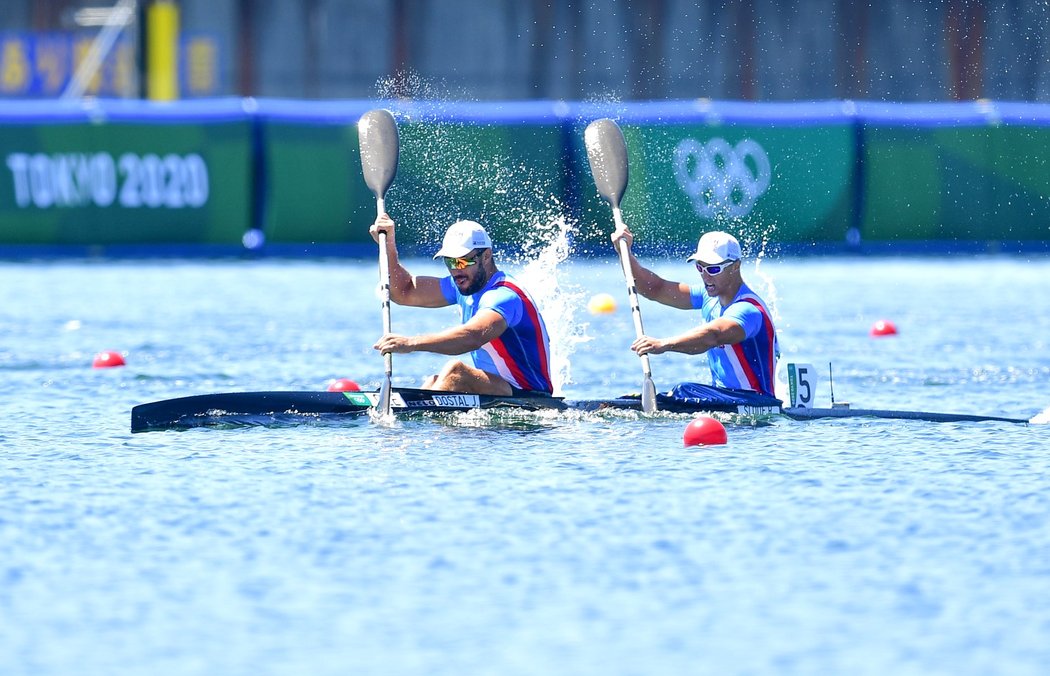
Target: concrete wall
{"points": [[766, 50]]}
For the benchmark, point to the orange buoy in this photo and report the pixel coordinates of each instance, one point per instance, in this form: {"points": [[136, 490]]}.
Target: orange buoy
{"points": [[343, 385], [705, 431], [107, 359], [883, 327], [601, 304]]}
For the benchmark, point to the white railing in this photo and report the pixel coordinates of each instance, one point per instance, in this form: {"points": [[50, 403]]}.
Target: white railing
{"points": [[116, 20]]}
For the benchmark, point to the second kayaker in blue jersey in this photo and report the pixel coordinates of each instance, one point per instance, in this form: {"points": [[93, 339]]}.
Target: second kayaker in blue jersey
{"points": [[737, 334], [502, 333]]}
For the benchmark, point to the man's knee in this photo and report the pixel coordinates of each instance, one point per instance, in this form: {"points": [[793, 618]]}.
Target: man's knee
{"points": [[453, 375], [459, 377], [455, 369], [450, 377]]}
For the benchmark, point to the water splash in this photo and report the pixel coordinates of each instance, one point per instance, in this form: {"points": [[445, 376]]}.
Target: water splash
{"points": [[465, 170], [761, 243], [760, 238], [558, 300], [411, 86]]}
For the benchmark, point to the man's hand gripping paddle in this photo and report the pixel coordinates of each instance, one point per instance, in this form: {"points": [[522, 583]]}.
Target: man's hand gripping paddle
{"points": [[607, 154], [377, 134]]}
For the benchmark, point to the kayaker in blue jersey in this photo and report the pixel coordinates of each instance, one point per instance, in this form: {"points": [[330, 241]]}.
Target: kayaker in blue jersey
{"points": [[502, 333], [737, 333]]}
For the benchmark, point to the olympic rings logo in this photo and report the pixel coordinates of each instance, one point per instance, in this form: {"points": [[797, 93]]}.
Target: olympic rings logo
{"points": [[721, 179]]}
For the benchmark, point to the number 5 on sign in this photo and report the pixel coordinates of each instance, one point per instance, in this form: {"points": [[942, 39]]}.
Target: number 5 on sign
{"points": [[802, 385]]}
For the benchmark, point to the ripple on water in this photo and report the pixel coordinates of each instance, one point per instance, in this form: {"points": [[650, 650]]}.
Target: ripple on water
{"points": [[568, 543]]}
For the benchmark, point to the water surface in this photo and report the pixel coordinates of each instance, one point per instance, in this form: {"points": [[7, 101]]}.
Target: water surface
{"points": [[566, 543]]}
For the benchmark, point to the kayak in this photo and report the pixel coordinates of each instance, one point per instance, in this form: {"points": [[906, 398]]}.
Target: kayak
{"points": [[260, 408]]}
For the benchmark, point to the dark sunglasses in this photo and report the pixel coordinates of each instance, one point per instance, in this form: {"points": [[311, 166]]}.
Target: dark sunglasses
{"points": [[461, 263], [713, 269]]}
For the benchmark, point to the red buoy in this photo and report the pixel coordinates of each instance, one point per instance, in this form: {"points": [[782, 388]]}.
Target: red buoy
{"points": [[343, 385], [107, 359], [705, 431], [883, 327]]}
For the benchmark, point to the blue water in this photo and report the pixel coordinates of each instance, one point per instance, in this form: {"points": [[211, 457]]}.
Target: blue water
{"points": [[548, 544]]}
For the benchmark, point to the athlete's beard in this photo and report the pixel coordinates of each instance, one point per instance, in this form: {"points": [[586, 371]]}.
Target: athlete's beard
{"points": [[479, 283]]}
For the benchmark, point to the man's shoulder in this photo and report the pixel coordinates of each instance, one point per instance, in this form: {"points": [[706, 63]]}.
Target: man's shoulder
{"points": [[505, 285], [500, 289], [698, 296], [747, 295], [449, 290]]}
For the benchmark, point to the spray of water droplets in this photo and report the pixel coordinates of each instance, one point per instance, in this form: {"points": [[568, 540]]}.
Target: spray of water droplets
{"points": [[558, 300], [463, 170]]}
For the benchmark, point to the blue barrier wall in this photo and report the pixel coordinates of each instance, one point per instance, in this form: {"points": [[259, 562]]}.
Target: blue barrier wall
{"points": [[112, 175]]}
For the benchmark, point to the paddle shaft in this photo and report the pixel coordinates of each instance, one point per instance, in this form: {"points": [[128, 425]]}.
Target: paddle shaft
{"points": [[380, 147], [384, 287], [607, 155], [632, 290]]}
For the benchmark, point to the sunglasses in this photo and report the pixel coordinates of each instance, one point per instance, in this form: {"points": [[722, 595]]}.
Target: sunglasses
{"points": [[713, 269], [460, 263]]}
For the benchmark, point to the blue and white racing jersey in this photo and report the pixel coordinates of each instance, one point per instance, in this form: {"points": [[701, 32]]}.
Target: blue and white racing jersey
{"points": [[750, 364], [521, 355]]}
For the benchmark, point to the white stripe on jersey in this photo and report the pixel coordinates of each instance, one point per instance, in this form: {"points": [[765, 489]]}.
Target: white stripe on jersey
{"points": [[500, 365]]}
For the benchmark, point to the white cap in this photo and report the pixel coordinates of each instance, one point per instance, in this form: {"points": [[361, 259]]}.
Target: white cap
{"points": [[461, 238], [715, 247]]}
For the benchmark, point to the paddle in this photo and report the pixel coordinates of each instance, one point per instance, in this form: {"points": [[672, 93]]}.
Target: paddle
{"points": [[607, 154], [377, 134]]}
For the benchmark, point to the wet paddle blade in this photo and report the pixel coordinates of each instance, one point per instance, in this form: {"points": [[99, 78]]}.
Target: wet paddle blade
{"points": [[380, 147], [607, 155], [384, 406], [648, 395]]}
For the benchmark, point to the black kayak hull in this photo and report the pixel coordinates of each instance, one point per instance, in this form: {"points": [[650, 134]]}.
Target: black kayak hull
{"points": [[238, 408]]}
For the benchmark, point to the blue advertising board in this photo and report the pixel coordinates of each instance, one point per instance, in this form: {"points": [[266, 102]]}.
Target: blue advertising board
{"points": [[42, 64]]}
